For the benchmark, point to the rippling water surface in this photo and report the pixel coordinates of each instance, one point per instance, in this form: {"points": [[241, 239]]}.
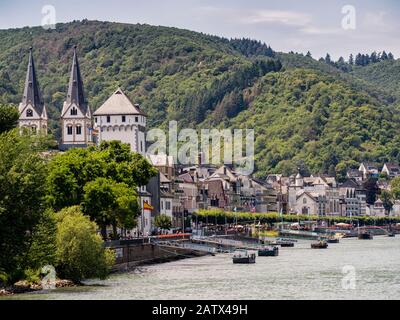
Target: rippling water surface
{"points": [[298, 273]]}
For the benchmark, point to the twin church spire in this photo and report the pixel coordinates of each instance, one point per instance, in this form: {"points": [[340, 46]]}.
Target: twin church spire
{"points": [[75, 116], [76, 93], [32, 95]]}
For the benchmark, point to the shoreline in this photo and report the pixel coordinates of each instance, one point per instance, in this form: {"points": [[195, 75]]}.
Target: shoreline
{"points": [[22, 287]]}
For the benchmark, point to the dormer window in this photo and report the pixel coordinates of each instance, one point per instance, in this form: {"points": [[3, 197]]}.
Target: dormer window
{"points": [[74, 112], [29, 113]]}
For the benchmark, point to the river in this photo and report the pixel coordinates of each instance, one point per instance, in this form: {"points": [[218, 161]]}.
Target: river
{"points": [[298, 273]]}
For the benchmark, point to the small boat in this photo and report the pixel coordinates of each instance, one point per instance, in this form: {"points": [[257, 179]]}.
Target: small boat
{"points": [[333, 240], [319, 245], [244, 257], [285, 244], [268, 252], [365, 236]]}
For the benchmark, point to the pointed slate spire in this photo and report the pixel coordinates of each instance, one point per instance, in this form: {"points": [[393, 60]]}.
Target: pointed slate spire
{"points": [[32, 93], [76, 93]]}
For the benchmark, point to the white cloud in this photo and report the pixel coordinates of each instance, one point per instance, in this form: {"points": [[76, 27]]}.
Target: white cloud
{"points": [[288, 18], [313, 30]]}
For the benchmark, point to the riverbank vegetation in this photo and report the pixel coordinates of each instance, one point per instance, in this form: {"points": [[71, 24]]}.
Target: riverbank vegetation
{"points": [[224, 217], [53, 205]]}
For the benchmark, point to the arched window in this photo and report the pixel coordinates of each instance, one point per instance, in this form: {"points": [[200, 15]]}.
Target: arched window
{"points": [[78, 130], [74, 111], [69, 130], [29, 113]]}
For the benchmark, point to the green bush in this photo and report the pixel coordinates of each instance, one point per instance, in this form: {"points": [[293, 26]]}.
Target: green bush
{"points": [[80, 252], [163, 222]]}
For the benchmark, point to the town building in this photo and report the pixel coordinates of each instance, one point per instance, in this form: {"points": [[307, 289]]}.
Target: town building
{"points": [[353, 199], [392, 170], [369, 170], [32, 110], [377, 210], [313, 195]]}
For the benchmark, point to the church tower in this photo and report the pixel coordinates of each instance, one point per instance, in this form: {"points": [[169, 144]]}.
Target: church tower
{"points": [[32, 111], [119, 119], [76, 117]]}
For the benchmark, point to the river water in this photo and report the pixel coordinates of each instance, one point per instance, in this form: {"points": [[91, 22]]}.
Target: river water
{"points": [[298, 273]]}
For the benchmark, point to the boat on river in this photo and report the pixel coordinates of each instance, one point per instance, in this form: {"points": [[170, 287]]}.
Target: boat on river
{"points": [[322, 244], [268, 252], [365, 236], [333, 240], [244, 257]]}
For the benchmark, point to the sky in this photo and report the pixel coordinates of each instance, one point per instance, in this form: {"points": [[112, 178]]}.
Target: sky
{"points": [[286, 25]]}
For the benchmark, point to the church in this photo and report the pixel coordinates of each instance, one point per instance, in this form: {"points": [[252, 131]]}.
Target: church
{"points": [[117, 119]]}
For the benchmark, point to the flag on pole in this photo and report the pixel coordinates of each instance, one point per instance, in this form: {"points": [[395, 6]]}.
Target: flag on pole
{"points": [[147, 206]]}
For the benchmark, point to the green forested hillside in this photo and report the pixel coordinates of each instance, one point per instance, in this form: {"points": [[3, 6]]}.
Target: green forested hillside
{"points": [[316, 122], [384, 75], [305, 112]]}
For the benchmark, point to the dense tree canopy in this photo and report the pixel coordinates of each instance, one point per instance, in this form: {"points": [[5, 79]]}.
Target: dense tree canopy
{"points": [[22, 172], [103, 180], [80, 253], [8, 117]]}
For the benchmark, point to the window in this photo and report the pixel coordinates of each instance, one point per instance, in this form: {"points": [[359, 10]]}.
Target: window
{"points": [[123, 118], [69, 130], [74, 112], [95, 120], [168, 205], [108, 119], [304, 200], [78, 130], [29, 113], [136, 119]]}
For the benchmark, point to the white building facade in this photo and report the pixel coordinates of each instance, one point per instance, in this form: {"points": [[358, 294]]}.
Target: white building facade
{"points": [[119, 119]]}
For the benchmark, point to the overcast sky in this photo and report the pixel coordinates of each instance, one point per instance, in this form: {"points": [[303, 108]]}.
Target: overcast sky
{"points": [[286, 25]]}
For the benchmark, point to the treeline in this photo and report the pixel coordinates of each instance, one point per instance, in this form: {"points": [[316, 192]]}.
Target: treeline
{"points": [[250, 48], [359, 59], [222, 217]]}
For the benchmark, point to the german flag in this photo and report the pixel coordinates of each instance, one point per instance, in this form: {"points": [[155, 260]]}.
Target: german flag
{"points": [[147, 206]]}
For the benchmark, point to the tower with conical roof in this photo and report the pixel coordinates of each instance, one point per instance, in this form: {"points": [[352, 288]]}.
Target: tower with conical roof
{"points": [[32, 111], [119, 119], [76, 117]]}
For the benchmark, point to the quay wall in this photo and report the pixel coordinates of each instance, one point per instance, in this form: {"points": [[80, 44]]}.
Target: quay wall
{"points": [[131, 254]]}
